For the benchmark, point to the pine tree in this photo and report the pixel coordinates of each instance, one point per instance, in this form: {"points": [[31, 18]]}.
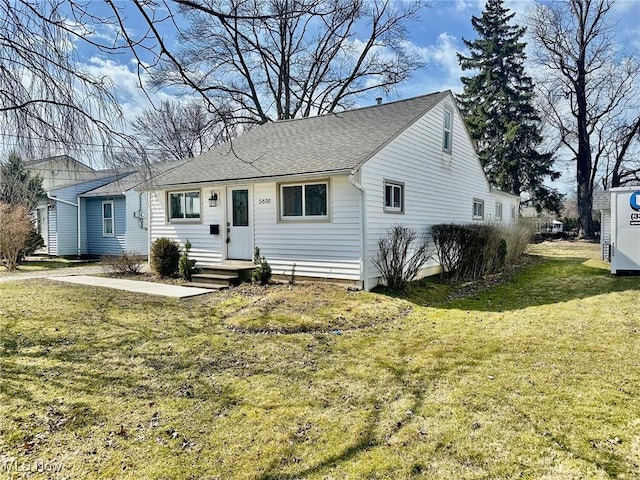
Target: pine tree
{"points": [[497, 103], [18, 186]]}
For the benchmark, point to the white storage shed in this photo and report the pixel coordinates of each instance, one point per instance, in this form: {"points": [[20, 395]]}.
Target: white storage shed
{"points": [[625, 229]]}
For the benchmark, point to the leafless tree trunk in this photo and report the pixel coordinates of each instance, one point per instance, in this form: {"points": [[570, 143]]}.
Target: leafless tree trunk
{"points": [[585, 87]]}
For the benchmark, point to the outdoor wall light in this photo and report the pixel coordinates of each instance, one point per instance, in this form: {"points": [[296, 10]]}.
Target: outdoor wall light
{"points": [[213, 199]]}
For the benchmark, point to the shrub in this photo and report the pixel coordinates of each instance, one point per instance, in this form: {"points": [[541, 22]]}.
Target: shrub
{"points": [[518, 237], [33, 243], [187, 266], [164, 257], [15, 229], [400, 256], [470, 251], [127, 263], [262, 273]]}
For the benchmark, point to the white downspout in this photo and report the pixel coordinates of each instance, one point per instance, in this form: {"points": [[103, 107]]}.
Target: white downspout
{"points": [[363, 229]]}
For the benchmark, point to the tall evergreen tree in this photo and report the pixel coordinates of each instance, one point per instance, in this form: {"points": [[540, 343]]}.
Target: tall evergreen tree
{"points": [[497, 104], [18, 186]]}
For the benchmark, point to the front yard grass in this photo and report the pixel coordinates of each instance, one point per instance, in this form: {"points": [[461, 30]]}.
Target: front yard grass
{"points": [[535, 378], [42, 265]]}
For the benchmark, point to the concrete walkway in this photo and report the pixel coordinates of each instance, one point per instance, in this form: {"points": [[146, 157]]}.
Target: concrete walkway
{"points": [[150, 288], [82, 276]]}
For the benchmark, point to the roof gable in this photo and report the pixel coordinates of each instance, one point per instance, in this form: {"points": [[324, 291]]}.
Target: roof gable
{"points": [[329, 143]]}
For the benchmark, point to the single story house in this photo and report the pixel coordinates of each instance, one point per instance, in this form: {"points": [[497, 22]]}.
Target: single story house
{"points": [[92, 212], [316, 194]]}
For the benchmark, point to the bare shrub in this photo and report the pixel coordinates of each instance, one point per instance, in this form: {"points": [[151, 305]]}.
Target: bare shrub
{"points": [[15, 230], [127, 263], [401, 254], [469, 251], [518, 238]]}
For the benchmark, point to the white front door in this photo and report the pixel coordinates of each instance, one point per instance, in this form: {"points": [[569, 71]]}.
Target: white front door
{"points": [[239, 225]]}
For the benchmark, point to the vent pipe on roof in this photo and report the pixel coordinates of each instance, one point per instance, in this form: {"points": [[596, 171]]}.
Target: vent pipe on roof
{"points": [[379, 100]]}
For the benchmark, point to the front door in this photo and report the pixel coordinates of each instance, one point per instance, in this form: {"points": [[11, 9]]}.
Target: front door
{"points": [[43, 227], [239, 232]]}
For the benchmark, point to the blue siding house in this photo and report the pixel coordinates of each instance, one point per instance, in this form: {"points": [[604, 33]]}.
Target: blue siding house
{"points": [[93, 212], [65, 216]]}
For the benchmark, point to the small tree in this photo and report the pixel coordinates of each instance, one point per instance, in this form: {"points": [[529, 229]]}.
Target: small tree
{"points": [[164, 256], [262, 273], [186, 266], [15, 228], [401, 254]]}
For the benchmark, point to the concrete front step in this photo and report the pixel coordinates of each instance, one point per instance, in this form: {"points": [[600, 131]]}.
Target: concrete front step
{"points": [[210, 286], [224, 275], [219, 280]]}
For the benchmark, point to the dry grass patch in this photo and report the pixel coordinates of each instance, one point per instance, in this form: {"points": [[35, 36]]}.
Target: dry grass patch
{"points": [[536, 378], [306, 308]]}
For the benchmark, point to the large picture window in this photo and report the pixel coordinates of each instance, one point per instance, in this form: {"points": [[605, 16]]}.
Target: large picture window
{"points": [[393, 197], [107, 219], [304, 201], [184, 205]]}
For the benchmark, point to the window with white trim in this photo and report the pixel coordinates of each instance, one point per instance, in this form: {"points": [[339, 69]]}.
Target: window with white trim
{"points": [[304, 201], [513, 212], [478, 209], [393, 197], [107, 219], [184, 205], [498, 211], [447, 138]]}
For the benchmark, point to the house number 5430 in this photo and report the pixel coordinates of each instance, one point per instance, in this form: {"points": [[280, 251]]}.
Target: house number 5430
{"points": [[264, 201]]}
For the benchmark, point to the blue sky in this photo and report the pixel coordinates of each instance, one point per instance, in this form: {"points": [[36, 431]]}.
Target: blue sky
{"points": [[437, 36]]}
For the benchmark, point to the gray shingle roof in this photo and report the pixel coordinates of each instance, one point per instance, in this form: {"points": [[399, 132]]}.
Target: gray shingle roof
{"points": [[329, 143], [132, 180]]}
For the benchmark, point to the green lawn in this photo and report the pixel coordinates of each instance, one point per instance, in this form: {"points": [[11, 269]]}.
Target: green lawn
{"points": [[42, 265], [538, 378]]}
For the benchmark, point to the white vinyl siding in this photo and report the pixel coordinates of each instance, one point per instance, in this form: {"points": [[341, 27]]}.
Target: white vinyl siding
{"points": [[206, 248], [438, 187], [137, 240], [328, 249]]}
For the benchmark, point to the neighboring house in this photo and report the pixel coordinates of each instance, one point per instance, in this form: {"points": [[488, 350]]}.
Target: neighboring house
{"points": [[91, 212], [602, 203], [319, 192], [115, 215]]}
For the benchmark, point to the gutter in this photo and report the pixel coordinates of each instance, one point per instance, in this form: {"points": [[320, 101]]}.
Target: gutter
{"points": [[363, 229]]}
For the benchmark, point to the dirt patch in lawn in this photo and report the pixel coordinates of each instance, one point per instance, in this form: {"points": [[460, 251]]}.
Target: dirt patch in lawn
{"points": [[305, 308]]}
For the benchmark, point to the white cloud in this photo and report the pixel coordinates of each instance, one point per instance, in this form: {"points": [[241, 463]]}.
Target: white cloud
{"points": [[443, 71], [130, 94]]}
